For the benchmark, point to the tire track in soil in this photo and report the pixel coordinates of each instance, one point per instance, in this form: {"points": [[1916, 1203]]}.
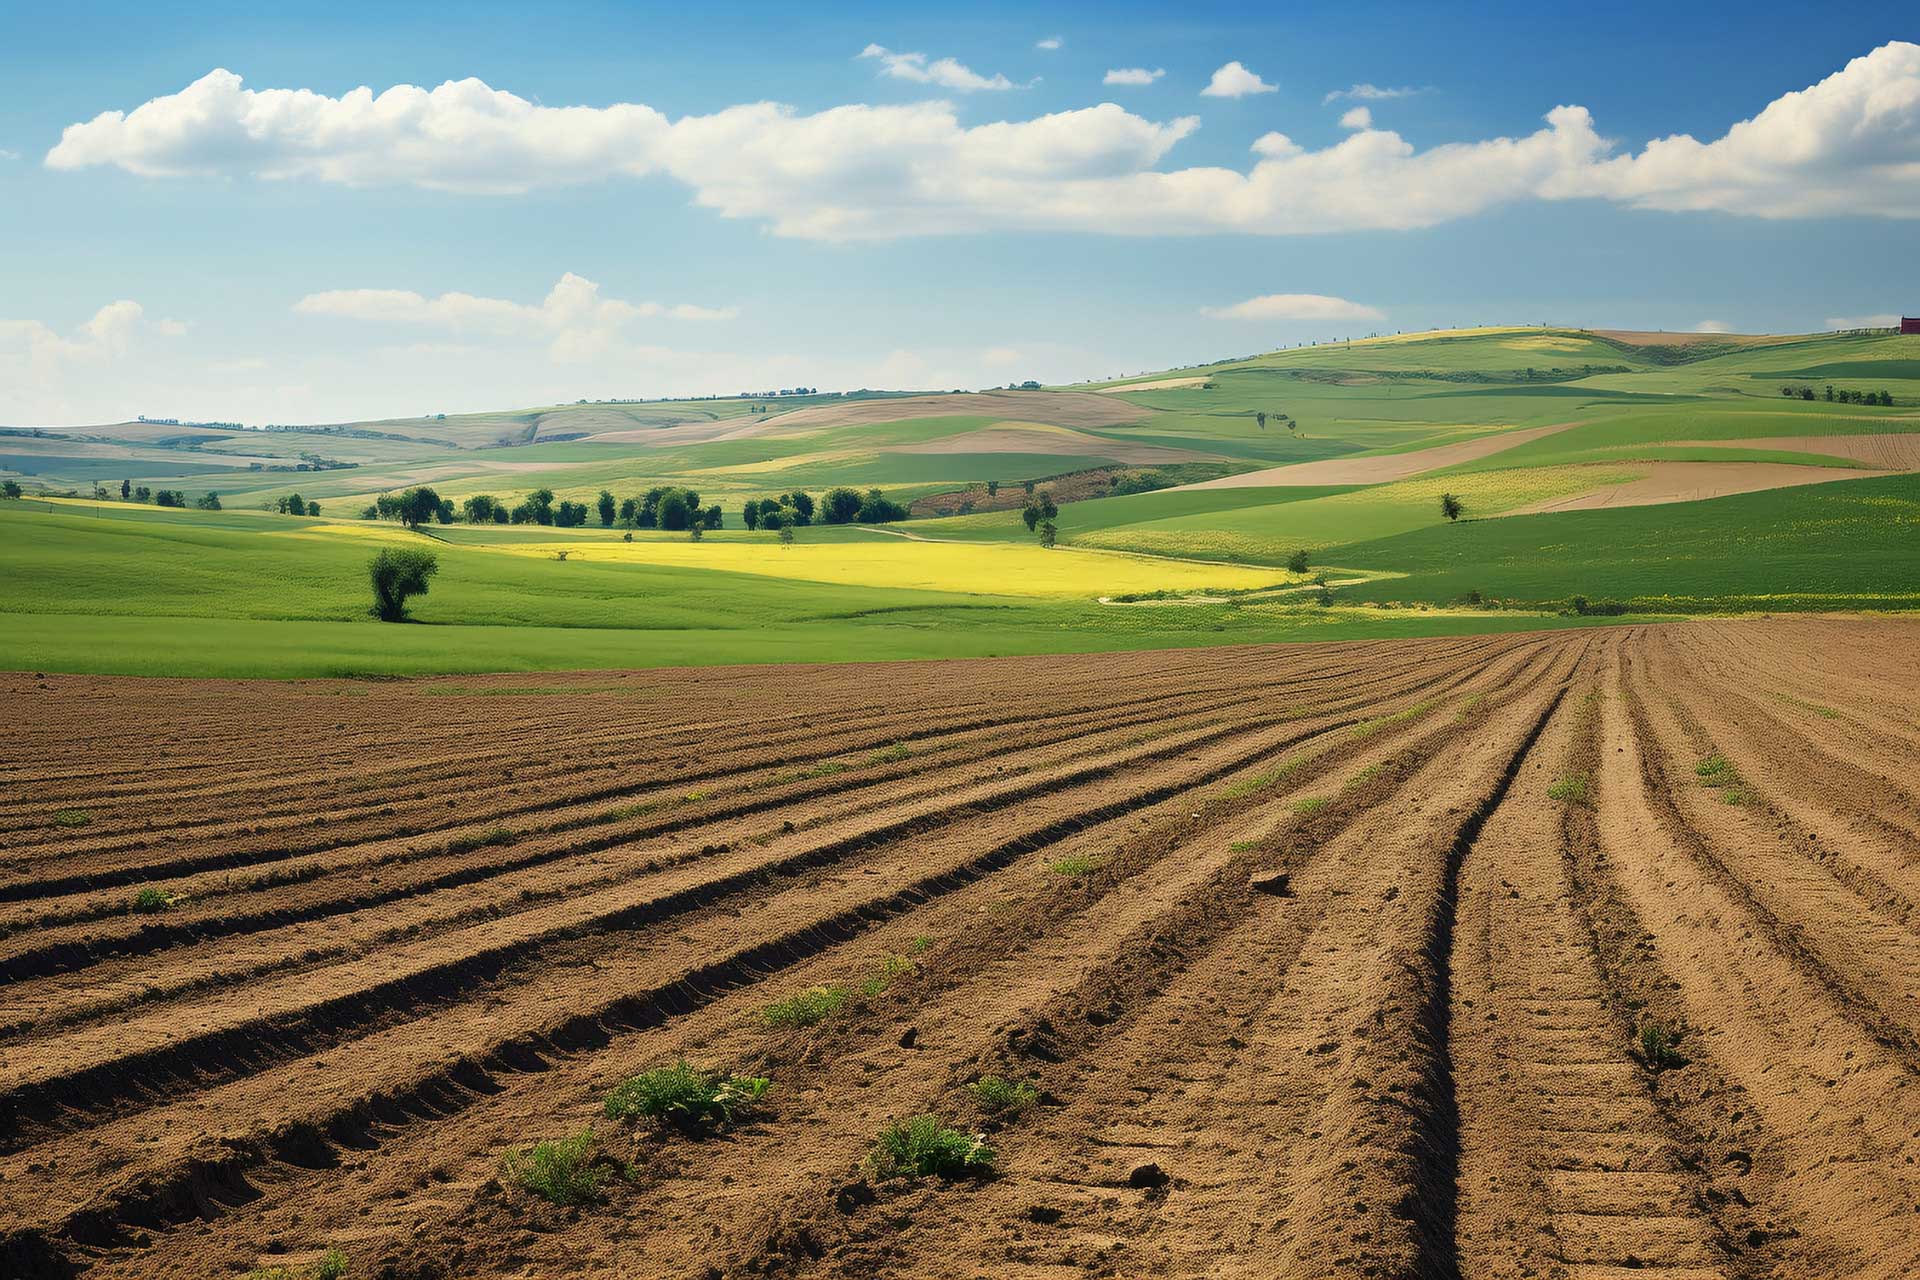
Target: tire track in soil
{"points": [[1788, 1096], [1567, 1167]]}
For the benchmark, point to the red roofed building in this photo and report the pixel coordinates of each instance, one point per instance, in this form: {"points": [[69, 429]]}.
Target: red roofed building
{"points": [[1910, 324]]}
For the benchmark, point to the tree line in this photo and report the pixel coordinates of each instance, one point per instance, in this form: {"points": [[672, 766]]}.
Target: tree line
{"points": [[1839, 395]]}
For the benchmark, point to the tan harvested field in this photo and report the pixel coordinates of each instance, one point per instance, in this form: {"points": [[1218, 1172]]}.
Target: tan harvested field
{"points": [[1381, 468], [1661, 482], [416, 923], [1888, 450], [1059, 408]]}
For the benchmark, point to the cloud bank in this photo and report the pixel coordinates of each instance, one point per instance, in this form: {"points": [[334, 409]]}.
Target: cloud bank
{"points": [[1849, 145], [1295, 306]]}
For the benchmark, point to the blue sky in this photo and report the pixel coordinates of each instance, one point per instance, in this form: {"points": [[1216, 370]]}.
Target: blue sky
{"points": [[227, 255]]}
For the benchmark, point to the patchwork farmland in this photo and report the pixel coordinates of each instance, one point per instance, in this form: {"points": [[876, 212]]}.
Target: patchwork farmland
{"points": [[1588, 953]]}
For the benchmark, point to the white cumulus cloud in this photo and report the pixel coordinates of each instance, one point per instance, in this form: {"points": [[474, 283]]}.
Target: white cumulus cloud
{"points": [[1050, 43], [1133, 75], [1235, 81], [1848, 145], [574, 318], [1368, 93], [948, 73], [1295, 306], [1356, 118], [1884, 320]]}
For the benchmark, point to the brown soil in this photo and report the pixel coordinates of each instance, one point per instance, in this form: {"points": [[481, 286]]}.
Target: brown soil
{"points": [[390, 959], [1888, 450]]}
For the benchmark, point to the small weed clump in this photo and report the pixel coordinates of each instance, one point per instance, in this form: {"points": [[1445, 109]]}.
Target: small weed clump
{"points": [[560, 1171], [332, 1266], [1718, 771], [892, 755], [1000, 1097], [72, 818], [891, 968], [151, 901], [1571, 788], [806, 1008], [684, 1095], [924, 1147], [482, 840], [1307, 806], [1659, 1046], [1076, 865]]}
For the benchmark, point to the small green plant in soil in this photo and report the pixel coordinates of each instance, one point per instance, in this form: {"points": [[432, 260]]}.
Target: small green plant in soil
{"points": [[560, 1171], [1076, 865], [332, 1266], [1001, 1097], [72, 818], [1307, 806], [1571, 788], [1659, 1046], [924, 1147], [805, 1008], [1718, 771], [891, 968], [151, 901], [684, 1095]]}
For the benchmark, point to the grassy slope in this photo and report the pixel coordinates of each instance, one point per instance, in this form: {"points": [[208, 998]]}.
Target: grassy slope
{"points": [[236, 593]]}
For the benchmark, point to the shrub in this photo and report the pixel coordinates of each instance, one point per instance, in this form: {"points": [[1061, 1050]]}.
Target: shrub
{"points": [[1451, 507], [999, 1097], [332, 1266], [806, 1008], [1298, 562], [685, 1095], [924, 1147], [561, 1171], [398, 573]]}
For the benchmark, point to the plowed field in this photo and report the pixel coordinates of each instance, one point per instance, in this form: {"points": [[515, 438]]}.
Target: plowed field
{"points": [[1580, 954]]}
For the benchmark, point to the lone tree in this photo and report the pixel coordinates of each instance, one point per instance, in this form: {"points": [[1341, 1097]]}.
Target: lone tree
{"points": [[1261, 418], [1297, 562], [1049, 534], [786, 535], [9, 488], [606, 509], [419, 505], [1038, 508], [1450, 506], [399, 572]]}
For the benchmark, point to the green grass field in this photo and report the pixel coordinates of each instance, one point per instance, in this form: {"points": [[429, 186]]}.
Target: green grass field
{"points": [[119, 587]]}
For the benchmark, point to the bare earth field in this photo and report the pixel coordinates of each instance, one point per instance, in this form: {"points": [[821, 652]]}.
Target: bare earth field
{"points": [[1380, 468], [1324, 960]]}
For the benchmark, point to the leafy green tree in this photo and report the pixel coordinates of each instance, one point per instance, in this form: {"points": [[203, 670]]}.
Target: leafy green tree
{"points": [[480, 508], [398, 573], [993, 488], [750, 513], [802, 504], [208, 501], [786, 535], [313, 508], [540, 502], [1049, 534], [126, 490], [1261, 418], [1297, 562], [607, 509], [877, 508], [715, 516], [417, 506], [1040, 507], [10, 489], [840, 506], [142, 494], [1451, 507], [570, 515], [775, 519], [697, 530], [673, 512]]}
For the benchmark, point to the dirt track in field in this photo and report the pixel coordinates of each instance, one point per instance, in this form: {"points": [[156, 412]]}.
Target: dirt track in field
{"points": [[417, 923]]}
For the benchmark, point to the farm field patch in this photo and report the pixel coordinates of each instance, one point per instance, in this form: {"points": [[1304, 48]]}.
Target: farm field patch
{"points": [[1288, 960]]}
